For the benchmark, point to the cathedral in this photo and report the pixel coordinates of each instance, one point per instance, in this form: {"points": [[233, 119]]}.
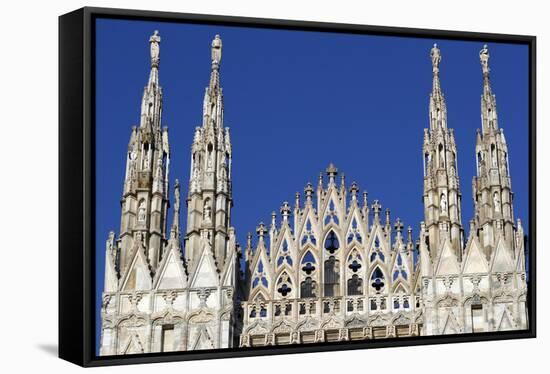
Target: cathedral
{"points": [[332, 267]]}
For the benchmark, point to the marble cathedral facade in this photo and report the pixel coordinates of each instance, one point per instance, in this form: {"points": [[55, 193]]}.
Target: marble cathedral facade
{"points": [[333, 268]]}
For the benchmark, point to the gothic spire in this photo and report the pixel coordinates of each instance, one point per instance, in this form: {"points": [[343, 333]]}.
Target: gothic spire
{"points": [[213, 100], [154, 42], [216, 61], [488, 100], [484, 60], [151, 105], [435, 54], [438, 111]]}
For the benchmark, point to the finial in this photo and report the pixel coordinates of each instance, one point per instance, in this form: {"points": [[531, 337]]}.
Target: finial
{"points": [[376, 209], [435, 54], [216, 50], [331, 172], [309, 191], [409, 234], [366, 199], [484, 59], [273, 219], [398, 225], [297, 200], [353, 190], [285, 211], [154, 42], [261, 230]]}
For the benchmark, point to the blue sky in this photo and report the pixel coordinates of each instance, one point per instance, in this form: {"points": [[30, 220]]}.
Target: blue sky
{"points": [[296, 101]]}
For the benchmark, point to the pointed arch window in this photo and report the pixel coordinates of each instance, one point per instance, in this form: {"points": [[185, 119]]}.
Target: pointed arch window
{"points": [[284, 255], [331, 215], [399, 268], [378, 281], [308, 287], [308, 235], [332, 277], [354, 232], [308, 263], [331, 242], [284, 285], [377, 251], [259, 276]]}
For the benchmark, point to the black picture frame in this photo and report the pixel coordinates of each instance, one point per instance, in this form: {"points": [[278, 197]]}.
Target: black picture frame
{"points": [[76, 181]]}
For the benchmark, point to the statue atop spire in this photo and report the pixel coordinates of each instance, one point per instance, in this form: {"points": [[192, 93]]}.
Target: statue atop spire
{"points": [[154, 41], [484, 59], [216, 50], [435, 54]]}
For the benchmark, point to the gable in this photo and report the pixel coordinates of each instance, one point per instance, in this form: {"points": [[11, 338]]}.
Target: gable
{"points": [[502, 262], [172, 274], [205, 274], [475, 260], [448, 263], [138, 276]]}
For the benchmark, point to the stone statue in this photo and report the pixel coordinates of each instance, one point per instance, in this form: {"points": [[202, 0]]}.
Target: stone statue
{"points": [[154, 41], [435, 54], [496, 202], [207, 215], [441, 160], [217, 49], [141, 211], [443, 203], [146, 161], [159, 169], [484, 59]]}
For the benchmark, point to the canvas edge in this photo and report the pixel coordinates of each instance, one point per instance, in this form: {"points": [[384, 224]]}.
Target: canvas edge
{"points": [[75, 57]]}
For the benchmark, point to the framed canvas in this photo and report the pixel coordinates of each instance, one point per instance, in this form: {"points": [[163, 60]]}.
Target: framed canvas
{"points": [[183, 141]]}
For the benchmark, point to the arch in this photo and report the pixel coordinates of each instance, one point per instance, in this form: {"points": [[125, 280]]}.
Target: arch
{"points": [[400, 288], [377, 280], [308, 263], [354, 260], [284, 256], [308, 234], [259, 277], [376, 250], [331, 242], [354, 232], [284, 286]]}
